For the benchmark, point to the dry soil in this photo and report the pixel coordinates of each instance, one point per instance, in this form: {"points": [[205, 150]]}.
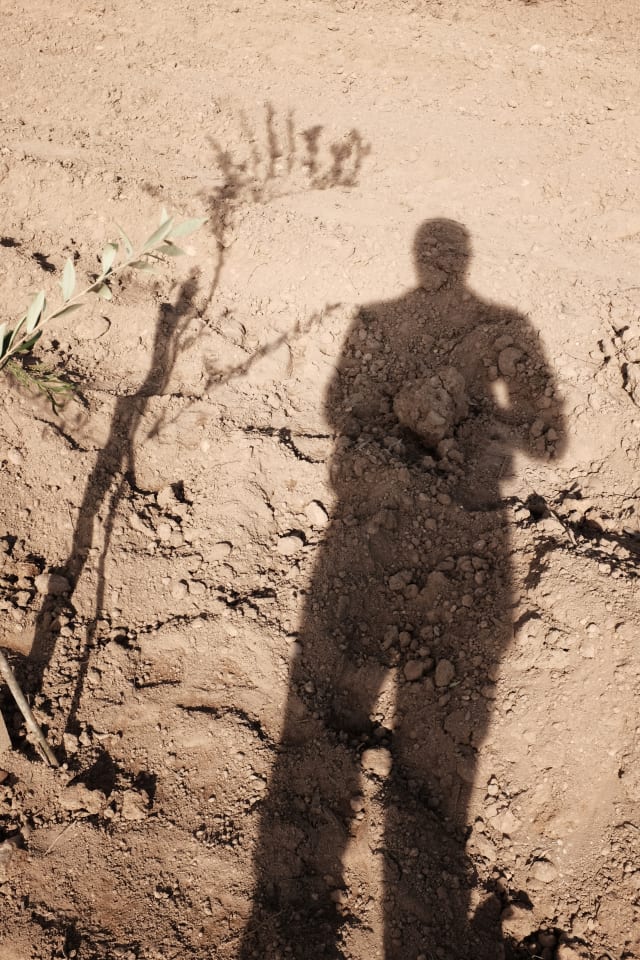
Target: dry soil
{"points": [[324, 584]]}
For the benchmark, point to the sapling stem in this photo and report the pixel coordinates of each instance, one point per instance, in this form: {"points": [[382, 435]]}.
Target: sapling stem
{"points": [[25, 710]]}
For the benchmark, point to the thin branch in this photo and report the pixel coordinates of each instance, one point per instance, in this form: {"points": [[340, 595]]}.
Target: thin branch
{"points": [[25, 710]]}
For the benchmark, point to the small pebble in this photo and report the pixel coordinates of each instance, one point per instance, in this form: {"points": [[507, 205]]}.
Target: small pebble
{"points": [[134, 805], [79, 798], [163, 531], [289, 545], [52, 584], [316, 514], [377, 760], [179, 590], [218, 551], [165, 496], [544, 871], [413, 670], [70, 742], [507, 361], [445, 672]]}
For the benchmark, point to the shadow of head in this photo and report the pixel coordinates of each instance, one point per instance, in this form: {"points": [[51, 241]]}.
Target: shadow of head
{"points": [[442, 245]]}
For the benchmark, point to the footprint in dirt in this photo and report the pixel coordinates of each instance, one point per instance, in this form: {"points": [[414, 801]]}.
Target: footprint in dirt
{"points": [[364, 830]]}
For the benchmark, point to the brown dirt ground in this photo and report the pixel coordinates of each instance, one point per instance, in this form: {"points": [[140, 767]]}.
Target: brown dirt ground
{"points": [[339, 648]]}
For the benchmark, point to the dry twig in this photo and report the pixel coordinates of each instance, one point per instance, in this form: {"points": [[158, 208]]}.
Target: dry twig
{"points": [[25, 710]]}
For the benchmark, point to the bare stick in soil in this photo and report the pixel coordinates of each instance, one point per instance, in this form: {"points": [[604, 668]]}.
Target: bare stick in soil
{"points": [[25, 710]]}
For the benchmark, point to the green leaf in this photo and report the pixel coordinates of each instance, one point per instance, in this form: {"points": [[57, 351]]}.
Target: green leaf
{"points": [[16, 330], [188, 227], [35, 310], [64, 310], [128, 246], [104, 292], [3, 334], [68, 282], [164, 216], [159, 235], [108, 256], [170, 249]]}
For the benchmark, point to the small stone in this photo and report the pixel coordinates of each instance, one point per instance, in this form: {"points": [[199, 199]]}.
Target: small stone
{"points": [[316, 514], [507, 360], [78, 798], [71, 743], [508, 824], [357, 803], [290, 544], [164, 530], [390, 637], [52, 584], [218, 551], [398, 581], [485, 846], [413, 670], [165, 497], [544, 871], [432, 407], [445, 672], [179, 590], [566, 952], [7, 850], [137, 523], [377, 760], [197, 588], [516, 921], [15, 456], [134, 805]]}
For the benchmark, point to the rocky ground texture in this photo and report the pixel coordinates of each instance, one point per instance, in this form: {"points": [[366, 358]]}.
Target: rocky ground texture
{"points": [[324, 583]]}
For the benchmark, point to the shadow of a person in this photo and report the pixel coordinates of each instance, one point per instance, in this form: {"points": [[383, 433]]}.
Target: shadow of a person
{"points": [[406, 619]]}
